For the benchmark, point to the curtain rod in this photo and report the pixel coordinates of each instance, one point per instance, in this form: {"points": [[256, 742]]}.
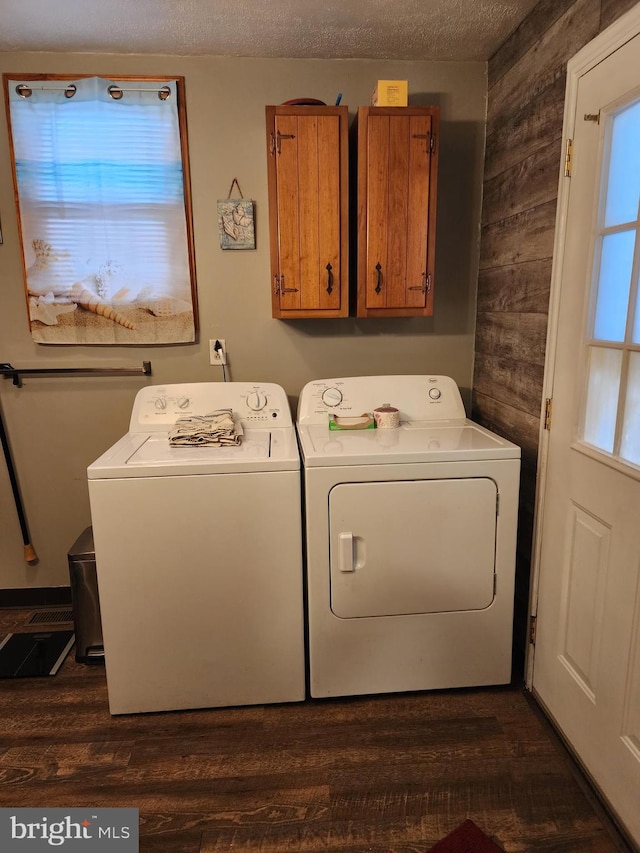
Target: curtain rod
{"points": [[8, 371], [116, 92]]}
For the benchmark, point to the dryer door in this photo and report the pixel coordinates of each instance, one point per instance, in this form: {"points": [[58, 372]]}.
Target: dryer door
{"points": [[412, 546]]}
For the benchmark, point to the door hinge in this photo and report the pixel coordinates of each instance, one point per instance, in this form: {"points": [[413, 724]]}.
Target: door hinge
{"points": [[547, 413], [532, 630], [592, 117], [495, 584], [567, 158], [497, 503]]}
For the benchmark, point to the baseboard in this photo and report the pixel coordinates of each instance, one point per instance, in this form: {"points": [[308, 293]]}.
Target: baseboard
{"points": [[35, 596]]}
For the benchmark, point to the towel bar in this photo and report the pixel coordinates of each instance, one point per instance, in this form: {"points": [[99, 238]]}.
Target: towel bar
{"points": [[16, 374]]}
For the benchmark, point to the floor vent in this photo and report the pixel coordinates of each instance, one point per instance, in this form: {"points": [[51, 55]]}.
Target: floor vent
{"points": [[34, 653], [51, 617]]}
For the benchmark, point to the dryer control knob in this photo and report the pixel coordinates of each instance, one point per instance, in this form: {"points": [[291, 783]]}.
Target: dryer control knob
{"points": [[183, 403], [435, 393], [332, 396], [256, 401], [160, 403]]}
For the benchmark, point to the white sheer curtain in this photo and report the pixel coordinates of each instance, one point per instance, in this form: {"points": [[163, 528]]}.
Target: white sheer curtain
{"points": [[101, 198]]}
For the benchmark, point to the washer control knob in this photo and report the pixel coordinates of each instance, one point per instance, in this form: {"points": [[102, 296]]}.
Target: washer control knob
{"points": [[256, 401], [183, 403], [435, 393], [161, 403], [332, 396]]}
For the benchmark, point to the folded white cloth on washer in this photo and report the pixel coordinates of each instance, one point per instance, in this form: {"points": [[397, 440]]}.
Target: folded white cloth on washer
{"points": [[216, 428]]}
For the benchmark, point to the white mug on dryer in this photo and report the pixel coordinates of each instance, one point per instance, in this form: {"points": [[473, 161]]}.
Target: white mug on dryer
{"points": [[386, 417]]}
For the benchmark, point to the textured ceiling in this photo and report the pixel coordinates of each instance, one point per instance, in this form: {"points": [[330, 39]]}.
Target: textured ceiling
{"points": [[331, 29]]}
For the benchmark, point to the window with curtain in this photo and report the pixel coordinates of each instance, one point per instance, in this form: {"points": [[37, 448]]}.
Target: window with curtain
{"points": [[102, 187]]}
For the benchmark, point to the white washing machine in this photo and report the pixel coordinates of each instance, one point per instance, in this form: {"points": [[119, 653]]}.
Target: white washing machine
{"points": [[410, 539], [199, 555]]}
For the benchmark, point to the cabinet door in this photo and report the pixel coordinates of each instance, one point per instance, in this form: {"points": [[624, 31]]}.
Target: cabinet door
{"points": [[397, 173], [308, 211]]}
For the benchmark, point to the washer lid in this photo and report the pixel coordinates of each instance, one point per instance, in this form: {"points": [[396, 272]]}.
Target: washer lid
{"points": [[151, 455], [415, 441]]}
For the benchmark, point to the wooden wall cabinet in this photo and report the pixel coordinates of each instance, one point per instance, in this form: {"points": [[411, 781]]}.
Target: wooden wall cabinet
{"points": [[308, 210], [397, 191]]}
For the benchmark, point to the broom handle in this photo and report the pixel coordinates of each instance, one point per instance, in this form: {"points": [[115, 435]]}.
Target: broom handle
{"points": [[29, 551]]}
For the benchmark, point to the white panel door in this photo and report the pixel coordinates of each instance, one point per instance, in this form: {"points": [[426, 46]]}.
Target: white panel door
{"points": [[586, 668], [416, 546]]}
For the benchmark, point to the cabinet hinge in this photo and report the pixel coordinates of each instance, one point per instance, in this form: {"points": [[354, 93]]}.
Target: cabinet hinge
{"points": [[533, 626], [425, 287], [547, 413], [279, 287], [430, 145], [567, 158], [276, 140]]}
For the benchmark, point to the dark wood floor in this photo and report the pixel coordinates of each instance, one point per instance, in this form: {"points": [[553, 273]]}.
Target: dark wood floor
{"points": [[389, 773]]}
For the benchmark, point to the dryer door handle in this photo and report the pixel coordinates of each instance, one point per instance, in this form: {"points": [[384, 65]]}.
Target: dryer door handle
{"points": [[345, 553]]}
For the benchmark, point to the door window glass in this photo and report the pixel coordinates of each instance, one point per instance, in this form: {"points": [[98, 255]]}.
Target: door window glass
{"points": [[602, 397], [630, 449], [636, 326], [613, 286], [624, 168], [611, 413]]}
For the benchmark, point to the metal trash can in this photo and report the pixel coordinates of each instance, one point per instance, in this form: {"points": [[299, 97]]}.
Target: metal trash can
{"points": [[84, 599]]}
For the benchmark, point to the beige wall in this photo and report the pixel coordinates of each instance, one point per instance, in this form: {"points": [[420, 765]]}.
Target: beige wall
{"points": [[57, 426]]}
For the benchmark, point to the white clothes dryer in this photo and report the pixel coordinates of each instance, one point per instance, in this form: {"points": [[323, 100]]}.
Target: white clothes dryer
{"points": [[410, 539], [199, 555]]}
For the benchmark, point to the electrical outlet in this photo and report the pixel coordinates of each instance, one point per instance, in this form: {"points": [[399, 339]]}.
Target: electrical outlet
{"points": [[217, 354]]}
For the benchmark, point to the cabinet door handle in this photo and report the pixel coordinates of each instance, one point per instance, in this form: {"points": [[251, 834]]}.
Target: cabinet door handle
{"points": [[329, 270], [378, 278]]}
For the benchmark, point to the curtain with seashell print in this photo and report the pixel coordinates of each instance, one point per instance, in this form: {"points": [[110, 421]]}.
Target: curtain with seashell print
{"points": [[101, 175]]}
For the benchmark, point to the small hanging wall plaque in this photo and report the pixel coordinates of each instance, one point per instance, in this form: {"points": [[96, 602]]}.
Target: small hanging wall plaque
{"points": [[236, 221]]}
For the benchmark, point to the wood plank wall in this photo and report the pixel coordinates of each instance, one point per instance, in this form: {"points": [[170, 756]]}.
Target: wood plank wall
{"points": [[527, 78]]}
